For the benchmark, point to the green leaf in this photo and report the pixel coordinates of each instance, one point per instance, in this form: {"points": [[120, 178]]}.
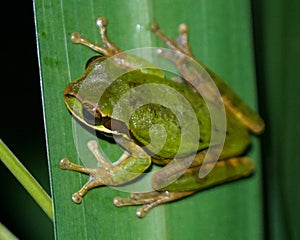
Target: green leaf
{"points": [[221, 38]]}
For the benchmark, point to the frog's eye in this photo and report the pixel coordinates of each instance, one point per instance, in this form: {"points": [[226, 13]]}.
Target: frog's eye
{"points": [[91, 114], [116, 125], [88, 63]]}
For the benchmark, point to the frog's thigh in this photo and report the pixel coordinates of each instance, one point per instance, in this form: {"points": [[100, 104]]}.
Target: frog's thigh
{"points": [[223, 171]]}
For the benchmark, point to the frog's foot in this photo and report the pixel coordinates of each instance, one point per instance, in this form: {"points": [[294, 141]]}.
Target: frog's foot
{"points": [[107, 173], [94, 181], [149, 200], [180, 55], [108, 48], [180, 43]]}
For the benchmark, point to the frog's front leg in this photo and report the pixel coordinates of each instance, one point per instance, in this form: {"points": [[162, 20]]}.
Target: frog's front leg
{"points": [[195, 74], [127, 168], [190, 69], [108, 48], [189, 183]]}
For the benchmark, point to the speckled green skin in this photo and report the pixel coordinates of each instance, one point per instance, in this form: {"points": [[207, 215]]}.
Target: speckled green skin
{"points": [[99, 89]]}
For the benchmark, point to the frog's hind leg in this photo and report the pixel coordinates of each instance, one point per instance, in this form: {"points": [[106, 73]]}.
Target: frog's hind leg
{"points": [[187, 184], [149, 200]]}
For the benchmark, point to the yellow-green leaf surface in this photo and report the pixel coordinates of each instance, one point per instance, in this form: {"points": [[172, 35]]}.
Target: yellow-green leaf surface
{"points": [[221, 38]]}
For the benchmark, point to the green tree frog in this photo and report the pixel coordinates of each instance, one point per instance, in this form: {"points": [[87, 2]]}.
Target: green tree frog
{"points": [[92, 99]]}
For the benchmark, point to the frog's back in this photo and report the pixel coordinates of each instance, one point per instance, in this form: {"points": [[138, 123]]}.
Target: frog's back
{"points": [[158, 109]]}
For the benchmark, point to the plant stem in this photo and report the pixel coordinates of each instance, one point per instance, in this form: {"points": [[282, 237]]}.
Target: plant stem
{"points": [[26, 179], [6, 234]]}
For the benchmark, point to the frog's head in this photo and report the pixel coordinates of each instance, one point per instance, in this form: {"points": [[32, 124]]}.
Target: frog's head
{"points": [[89, 101], [84, 110]]}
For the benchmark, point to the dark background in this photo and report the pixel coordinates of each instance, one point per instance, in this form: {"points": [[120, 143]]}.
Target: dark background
{"points": [[21, 126], [277, 51]]}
